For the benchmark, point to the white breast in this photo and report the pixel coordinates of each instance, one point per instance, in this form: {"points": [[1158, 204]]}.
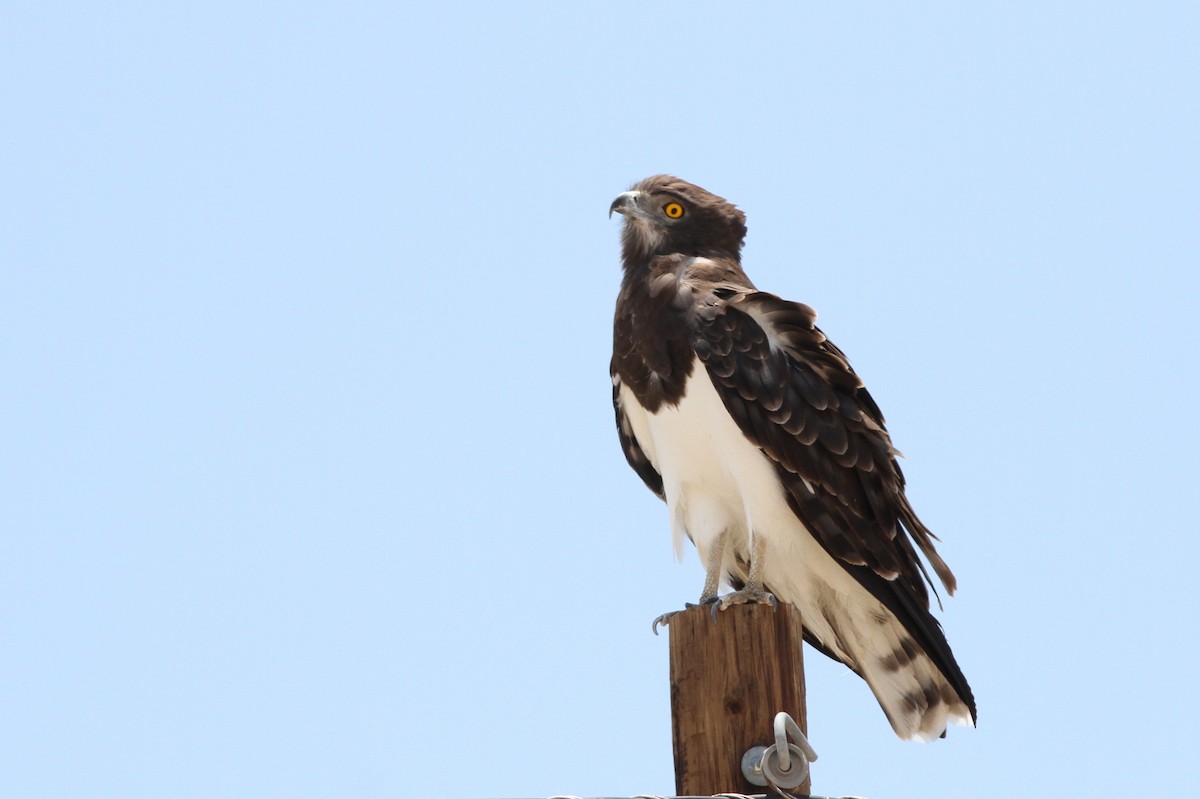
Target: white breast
{"points": [[715, 479], [711, 473]]}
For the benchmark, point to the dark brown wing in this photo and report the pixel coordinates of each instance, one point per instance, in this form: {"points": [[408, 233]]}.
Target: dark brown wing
{"points": [[633, 451], [794, 394]]}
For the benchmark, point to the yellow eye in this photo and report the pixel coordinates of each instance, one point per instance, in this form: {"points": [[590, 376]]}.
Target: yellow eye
{"points": [[673, 210]]}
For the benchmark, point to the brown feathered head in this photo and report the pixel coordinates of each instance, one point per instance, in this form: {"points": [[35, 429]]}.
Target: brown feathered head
{"points": [[665, 215]]}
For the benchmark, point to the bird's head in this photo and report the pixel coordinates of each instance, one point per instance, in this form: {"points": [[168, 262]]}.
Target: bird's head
{"points": [[665, 215]]}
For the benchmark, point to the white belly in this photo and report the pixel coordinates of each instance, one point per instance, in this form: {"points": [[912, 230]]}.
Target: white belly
{"points": [[715, 479]]}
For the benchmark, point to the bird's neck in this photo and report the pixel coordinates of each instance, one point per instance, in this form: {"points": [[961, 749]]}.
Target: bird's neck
{"points": [[638, 262]]}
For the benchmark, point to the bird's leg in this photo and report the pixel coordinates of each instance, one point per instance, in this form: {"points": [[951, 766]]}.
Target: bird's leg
{"points": [[712, 572], [712, 580], [753, 592]]}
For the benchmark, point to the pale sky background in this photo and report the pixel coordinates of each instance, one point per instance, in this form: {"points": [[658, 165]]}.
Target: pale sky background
{"points": [[310, 485]]}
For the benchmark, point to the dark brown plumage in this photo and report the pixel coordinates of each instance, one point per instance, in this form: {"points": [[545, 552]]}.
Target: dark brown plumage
{"points": [[687, 312]]}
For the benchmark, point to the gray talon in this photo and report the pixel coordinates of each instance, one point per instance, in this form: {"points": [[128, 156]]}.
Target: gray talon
{"points": [[664, 620], [748, 596]]}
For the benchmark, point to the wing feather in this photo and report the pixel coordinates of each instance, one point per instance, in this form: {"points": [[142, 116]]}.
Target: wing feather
{"points": [[634, 453], [794, 393]]}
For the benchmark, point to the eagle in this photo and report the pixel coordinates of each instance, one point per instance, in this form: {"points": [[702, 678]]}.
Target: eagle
{"points": [[736, 410]]}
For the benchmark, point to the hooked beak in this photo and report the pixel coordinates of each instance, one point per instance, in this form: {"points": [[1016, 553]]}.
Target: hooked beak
{"points": [[626, 202]]}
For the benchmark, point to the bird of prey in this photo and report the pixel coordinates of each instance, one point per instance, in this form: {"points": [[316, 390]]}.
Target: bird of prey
{"points": [[734, 408]]}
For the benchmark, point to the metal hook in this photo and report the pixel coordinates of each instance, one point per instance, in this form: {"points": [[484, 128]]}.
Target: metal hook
{"points": [[772, 765], [785, 725]]}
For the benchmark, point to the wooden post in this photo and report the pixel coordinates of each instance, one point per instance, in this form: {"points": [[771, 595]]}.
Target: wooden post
{"points": [[729, 677]]}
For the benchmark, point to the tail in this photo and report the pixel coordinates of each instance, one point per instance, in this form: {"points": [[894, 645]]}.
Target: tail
{"points": [[900, 650]]}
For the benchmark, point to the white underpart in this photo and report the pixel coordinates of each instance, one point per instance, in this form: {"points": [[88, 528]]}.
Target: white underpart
{"points": [[715, 479]]}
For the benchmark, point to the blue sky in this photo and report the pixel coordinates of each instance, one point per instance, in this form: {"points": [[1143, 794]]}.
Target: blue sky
{"points": [[310, 485]]}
